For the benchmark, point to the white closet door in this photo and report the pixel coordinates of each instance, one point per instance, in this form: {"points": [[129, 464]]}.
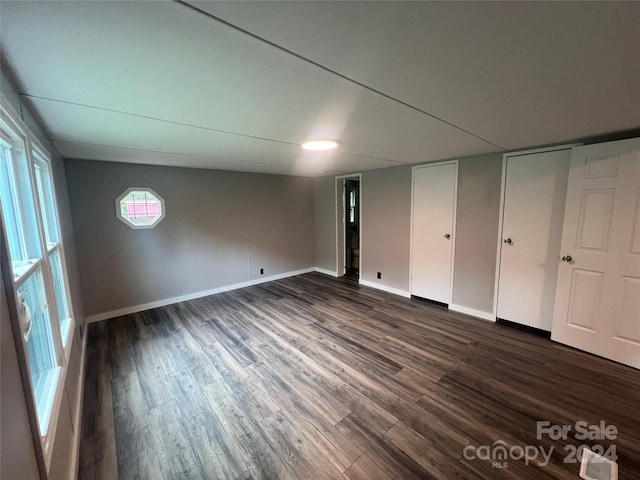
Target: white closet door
{"points": [[534, 196], [598, 296], [433, 217]]}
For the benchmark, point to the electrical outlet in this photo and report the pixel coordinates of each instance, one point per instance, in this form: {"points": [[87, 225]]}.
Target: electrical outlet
{"points": [[262, 271], [379, 275]]}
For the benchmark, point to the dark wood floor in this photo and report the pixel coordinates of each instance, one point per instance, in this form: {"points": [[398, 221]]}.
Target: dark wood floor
{"points": [[318, 378]]}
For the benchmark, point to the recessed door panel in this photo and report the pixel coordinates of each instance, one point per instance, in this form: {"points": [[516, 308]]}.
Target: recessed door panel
{"points": [[627, 326], [586, 291], [594, 224], [601, 167]]}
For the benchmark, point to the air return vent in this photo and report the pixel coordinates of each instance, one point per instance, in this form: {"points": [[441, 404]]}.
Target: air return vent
{"points": [[597, 467]]}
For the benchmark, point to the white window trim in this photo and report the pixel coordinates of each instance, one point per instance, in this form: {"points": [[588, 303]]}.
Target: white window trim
{"points": [[119, 198], [45, 159], [18, 200], [46, 435]]}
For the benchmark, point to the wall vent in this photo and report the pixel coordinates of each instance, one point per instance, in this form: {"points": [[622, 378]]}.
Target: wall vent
{"points": [[597, 467]]}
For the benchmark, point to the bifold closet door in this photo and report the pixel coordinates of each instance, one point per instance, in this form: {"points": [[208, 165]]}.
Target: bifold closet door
{"points": [[433, 217], [534, 197]]}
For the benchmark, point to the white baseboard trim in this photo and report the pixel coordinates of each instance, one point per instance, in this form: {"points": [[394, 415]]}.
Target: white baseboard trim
{"points": [[77, 417], [473, 312], [98, 317], [396, 291], [326, 272]]}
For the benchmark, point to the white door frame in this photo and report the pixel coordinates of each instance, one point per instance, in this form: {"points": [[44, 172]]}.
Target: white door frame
{"points": [[453, 229], [340, 211], [503, 183]]}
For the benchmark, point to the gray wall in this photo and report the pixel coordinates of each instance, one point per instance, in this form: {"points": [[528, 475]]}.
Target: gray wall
{"points": [[13, 422], [325, 222], [479, 182], [220, 229], [386, 228], [386, 225]]}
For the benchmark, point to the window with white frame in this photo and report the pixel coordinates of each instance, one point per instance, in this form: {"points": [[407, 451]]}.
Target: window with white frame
{"points": [[38, 269], [140, 208]]}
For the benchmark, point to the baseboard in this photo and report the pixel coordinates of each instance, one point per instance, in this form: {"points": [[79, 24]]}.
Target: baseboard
{"points": [[326, 272], [98, 317], [473, 312], [77, 421], [395, 291]]}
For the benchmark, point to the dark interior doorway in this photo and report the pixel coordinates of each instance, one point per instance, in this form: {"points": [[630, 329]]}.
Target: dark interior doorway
{"points": [[352, 227]]}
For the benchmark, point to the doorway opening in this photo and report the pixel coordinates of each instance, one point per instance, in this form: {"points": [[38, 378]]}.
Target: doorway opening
{"points": [[349, 226], [352, 228]]}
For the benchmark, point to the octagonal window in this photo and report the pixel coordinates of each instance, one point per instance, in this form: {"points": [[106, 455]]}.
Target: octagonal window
{"points": [[140, 208]]}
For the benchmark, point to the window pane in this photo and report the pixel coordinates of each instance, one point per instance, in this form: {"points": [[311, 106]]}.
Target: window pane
{"points": [[39, 338], [140, 208], [18, 206], [9, 207], [47, 203], [60, 288]]}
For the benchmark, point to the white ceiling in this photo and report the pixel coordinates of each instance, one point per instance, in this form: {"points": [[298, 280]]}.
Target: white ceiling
{"points": [[394, 82]]}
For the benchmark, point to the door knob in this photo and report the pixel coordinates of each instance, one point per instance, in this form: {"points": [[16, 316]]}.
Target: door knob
{"points": [[567, 258], [508, 241], [447, 236]]}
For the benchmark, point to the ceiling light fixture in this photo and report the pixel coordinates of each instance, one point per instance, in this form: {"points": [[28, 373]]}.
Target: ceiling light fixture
{"points": [[319, 144]]}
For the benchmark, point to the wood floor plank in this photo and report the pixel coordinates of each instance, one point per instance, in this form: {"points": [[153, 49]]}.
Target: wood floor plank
{"points": [[317, 428], [98, 402], [190, 349], [251, 394], [246, 475], [314, 377], [176, 454], [317, 369], [138, 456], [298, 452], [209, 439], [423, 450], [98, 457], [246, 432], [120, 349], [365, 469], [232, 343], [324, 403], [392, 461], [154, 380], [136, 452]]}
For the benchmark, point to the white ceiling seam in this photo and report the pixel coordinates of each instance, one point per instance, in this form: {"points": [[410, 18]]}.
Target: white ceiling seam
{"points": [[322, 164], [329, 70], [127, 80], [36, 97], [571, 67]]}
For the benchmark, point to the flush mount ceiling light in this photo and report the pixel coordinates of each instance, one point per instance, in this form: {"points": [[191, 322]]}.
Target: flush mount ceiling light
{"points": [[319, 144]]}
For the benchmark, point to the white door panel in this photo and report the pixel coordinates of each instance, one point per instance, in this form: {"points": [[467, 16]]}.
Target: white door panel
{"points": [[434, 201], [597, 305], [534, 196]]}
